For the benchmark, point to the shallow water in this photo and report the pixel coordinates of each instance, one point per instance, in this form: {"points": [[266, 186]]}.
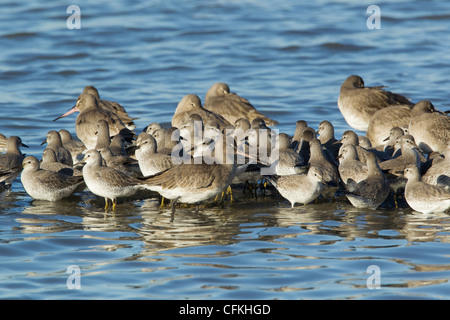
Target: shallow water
{"points": [[289, 60]]}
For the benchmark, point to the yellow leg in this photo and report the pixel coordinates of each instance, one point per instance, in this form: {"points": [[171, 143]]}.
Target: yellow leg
{"points": [[114, 204], [229, 191], [106, 204], [395, 200], [162, 202]]}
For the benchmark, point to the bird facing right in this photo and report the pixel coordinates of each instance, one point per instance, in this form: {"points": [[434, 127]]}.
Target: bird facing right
{"points": [[11, 161], [300, 188]]}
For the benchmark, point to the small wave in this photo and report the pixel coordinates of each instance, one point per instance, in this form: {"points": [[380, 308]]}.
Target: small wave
{"points": [[62, 56], [19, 35], [437, 17], [66, 72], [291, 48], [202, 32], [8, 75], [434, 17], [343, 47]]}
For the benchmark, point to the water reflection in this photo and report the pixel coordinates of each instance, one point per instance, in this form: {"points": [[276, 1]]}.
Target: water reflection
{"points": [[293, 249], [215, 224], [162, 231], [419, 227], [350, 223]]}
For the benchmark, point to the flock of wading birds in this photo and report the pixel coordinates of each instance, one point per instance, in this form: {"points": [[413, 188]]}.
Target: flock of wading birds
{"points": [[405, 152]]}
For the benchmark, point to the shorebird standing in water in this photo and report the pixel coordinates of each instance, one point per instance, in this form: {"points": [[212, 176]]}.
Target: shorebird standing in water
{"points": [[87, 119]]}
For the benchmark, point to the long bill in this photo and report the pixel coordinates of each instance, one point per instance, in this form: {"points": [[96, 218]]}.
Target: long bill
{"points": [[74, 109], [251, 157]]}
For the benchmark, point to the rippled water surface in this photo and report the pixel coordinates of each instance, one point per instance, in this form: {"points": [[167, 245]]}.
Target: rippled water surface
{"points": [[289, 59]]}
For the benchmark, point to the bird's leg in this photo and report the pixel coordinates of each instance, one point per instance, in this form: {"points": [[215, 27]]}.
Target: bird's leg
{"points": [[252, 188], [255, 189], [174, 202], [245, 186], [162, 202], [263, 185], [106, 204], [395, 200], [229, 191]]}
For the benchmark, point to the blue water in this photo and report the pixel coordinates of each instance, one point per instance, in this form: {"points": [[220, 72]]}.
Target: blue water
{"points": [[289, 59]]}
